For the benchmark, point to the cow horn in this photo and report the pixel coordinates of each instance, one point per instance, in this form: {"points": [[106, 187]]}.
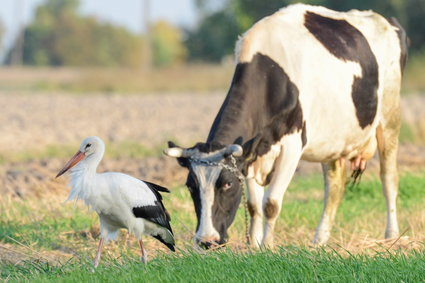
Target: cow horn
{"points": [[234, 149], [175, 152]]}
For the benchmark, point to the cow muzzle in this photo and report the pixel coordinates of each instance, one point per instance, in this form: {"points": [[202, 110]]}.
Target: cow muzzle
{"points": [[209, 243]]}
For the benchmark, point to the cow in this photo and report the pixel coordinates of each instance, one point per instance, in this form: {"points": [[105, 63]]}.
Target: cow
{"points": [[310, 84]]}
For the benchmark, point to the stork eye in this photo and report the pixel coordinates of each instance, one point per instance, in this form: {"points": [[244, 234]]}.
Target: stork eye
{"points": [[227, 186], [88, 145]]}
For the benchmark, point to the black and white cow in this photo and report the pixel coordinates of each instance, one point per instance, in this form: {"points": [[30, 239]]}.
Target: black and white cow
{"points": [[310, 83]]}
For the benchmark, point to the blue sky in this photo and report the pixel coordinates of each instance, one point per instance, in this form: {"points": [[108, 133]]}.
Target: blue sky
{"points": [[127, 13]]}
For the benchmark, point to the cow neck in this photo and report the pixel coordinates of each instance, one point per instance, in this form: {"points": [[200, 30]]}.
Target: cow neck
{"points": [[239, 116]]}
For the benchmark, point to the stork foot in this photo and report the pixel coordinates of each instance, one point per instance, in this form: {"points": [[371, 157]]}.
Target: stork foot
{"points": [[144, 258], [99, 250]]}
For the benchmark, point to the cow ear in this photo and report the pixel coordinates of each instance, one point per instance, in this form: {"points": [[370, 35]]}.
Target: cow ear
{"points": [[249, 148], [183, 162], [238, 141], [171, 144]]}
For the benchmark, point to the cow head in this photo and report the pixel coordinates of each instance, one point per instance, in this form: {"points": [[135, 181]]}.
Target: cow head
{"points": [[214, 182]]}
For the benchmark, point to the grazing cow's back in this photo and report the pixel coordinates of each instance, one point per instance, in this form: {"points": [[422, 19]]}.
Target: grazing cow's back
{"points": [[310, 84]]}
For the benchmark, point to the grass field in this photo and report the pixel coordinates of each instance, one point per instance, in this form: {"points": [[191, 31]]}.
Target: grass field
{"points": [[289, 264], [43, 238], [57, 241]]}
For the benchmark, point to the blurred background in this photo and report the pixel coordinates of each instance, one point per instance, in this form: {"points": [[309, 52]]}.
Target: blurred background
{"points": [[144, 36], [138, 73]]}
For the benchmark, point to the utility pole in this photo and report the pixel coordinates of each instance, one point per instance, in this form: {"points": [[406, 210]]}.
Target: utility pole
{"points": [[147, 40], [16, 57]]}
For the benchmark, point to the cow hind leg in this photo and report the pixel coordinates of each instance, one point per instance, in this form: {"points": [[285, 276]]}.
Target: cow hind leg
{"points": [[286, 164], [334, 174], [387, 137]]}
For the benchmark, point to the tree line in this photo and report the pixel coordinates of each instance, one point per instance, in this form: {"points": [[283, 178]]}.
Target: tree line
{"points": [[217, 32], [60, 36]]}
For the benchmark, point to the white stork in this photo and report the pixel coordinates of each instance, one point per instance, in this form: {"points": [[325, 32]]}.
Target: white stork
{"points": [[120, 200]]}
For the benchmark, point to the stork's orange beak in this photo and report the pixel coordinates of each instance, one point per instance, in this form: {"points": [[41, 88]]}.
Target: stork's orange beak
{"points": [[72, 162]]}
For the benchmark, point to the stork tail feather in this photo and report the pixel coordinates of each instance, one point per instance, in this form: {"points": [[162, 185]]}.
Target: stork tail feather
{"points": [[169, 245]]}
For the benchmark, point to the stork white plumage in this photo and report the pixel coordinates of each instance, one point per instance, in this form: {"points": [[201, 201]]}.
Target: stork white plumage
{"points": [[121, 201]]}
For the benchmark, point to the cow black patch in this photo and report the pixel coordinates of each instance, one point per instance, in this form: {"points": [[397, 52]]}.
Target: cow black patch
{"points": [[347, 43], [262, 99], [270, 175], [262, 105], [402, 37], [304, 135], [226, 203], [193, 185]]}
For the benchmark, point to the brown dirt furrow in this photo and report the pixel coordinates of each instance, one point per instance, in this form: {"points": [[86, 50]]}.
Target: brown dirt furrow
{"points": [[31, 122]]}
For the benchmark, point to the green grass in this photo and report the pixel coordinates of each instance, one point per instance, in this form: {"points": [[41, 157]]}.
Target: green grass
{"points": [[407, 134], [362, 211], [50, 225], [46, 226], [288, 264]]}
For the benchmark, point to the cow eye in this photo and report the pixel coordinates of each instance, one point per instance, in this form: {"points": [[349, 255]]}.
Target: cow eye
{"points": [[227, 186]]}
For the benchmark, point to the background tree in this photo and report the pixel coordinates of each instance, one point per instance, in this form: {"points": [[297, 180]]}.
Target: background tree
{"points": [[60, 36], [2, 31], [214, 38], [218, 31], [168, 48]]}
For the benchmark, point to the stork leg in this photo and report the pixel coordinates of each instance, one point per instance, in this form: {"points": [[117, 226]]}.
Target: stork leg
{"points": [[144, 254], [99, 250]]}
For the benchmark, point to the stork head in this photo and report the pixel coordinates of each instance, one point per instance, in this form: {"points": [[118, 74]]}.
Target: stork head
{"points": [[214, 184], [91, 148]]}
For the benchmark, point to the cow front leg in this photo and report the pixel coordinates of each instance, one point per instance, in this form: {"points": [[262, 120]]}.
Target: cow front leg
{"points": [[334, 174], [286, 164], [387, 137], [255, 208]]}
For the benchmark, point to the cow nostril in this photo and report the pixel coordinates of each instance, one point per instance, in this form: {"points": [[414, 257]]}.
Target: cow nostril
{"points": [[209, 244], [206, 245]]}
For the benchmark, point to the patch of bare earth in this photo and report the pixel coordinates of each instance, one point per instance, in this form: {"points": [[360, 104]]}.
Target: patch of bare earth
{"points": [[33, 122]]}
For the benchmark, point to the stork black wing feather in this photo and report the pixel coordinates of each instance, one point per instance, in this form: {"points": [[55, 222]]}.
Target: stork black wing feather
{"points": [[156, 189], [154, 213], [170, 246]]}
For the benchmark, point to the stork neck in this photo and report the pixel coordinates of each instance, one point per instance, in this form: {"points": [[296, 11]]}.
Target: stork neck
{"points": [[93, 161], [83, 179], [88, 166]]}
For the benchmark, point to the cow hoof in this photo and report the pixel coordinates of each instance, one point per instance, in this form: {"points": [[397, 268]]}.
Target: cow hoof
{"points": [[321, 237], [392, 234], [254, 244], [319, 242], [269, 245]]}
